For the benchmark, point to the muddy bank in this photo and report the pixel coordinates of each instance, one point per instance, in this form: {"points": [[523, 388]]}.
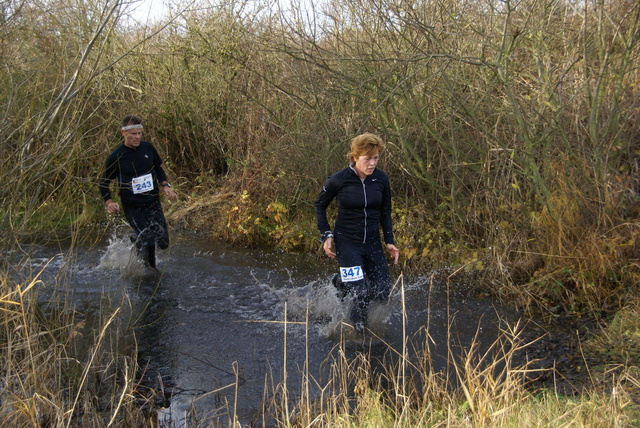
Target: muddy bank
{"points": [[562, 358]]}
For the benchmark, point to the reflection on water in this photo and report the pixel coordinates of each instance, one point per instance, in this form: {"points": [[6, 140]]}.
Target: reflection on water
{"points": [[210, 324]]}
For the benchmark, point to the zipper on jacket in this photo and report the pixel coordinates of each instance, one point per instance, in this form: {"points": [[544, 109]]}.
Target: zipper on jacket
{"points": [[364, 190]]}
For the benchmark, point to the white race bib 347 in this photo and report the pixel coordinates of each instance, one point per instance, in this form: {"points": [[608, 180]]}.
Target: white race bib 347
{"points": [[350, 274]]}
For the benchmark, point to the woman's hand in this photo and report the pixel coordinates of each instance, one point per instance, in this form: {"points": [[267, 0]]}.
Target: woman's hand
{"points": [[326, 246], [395, 252]]}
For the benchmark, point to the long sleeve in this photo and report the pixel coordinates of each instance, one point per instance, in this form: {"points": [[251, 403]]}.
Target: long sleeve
{"points": [[327, 195], [161, 175], [385, 215], [109, 174]]}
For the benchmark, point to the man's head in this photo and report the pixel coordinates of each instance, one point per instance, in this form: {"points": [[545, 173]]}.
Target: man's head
{"points": [[131, 130]]}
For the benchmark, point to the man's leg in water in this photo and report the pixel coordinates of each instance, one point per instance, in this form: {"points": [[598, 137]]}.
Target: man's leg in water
{"points": [[360, 309], [151, 228], [156, 233], [139, 221], [160, 230]]}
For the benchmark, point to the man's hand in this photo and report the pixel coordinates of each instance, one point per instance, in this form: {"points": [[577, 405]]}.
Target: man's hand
{"points": [[168, 191], [111, 206]]}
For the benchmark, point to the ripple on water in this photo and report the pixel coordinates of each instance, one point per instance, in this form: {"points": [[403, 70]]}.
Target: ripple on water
{"points": [[214, 310]]}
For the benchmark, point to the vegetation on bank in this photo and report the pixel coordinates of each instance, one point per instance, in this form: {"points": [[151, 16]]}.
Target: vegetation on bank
{"points": [[511, 127], [512, 145], [60, 372]]}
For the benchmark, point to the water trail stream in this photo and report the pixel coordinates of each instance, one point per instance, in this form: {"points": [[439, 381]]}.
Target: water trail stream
{"points": [[210, 326]]}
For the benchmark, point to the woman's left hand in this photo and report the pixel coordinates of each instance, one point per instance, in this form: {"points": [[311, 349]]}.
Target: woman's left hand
{"points": [[395, 252], [326, 246]]}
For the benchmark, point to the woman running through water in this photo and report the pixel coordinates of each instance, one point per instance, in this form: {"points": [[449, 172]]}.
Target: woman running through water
{"points": [[363, 196]]}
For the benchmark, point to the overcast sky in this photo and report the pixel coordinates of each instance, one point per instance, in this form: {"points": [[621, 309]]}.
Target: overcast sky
{"points": [[148, 10]]}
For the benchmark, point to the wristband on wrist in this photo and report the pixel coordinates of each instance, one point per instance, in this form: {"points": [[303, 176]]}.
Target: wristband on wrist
{"points": [[166, 185], [326, 235]]}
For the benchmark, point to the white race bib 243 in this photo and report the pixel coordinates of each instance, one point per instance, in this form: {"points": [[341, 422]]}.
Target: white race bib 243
{"points": [[142, 184]]}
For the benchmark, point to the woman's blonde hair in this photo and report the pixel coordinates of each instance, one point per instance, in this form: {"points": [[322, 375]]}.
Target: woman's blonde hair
{"points": [[365, 144]]}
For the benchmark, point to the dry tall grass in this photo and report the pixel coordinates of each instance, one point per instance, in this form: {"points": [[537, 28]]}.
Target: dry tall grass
{"points": [[512, 131], [518, 138], [59, 372], [482, 386]]}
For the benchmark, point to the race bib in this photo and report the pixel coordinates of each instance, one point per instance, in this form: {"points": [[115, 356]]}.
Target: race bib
{"points": [[142, 184], [350, 274]]}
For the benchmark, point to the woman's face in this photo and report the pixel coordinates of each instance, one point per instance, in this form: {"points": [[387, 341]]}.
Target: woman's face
{"points": [[366, 164]]}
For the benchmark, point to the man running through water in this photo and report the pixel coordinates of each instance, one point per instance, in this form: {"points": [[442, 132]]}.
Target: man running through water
{"points": [[137, 167]]}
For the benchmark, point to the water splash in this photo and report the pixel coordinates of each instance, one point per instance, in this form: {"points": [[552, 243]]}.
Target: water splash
{"points": [[318, 303], [120, 254]]}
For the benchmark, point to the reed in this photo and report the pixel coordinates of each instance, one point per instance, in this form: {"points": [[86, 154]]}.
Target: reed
{"points": [[58, 371], [482, 386], [495, 124], [511, 143]]}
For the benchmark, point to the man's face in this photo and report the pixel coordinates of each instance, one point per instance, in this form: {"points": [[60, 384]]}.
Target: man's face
{"points": [[132, 137]]}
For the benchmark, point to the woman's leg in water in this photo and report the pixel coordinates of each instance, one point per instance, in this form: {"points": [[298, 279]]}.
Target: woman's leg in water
{"points": [[350, 257]]}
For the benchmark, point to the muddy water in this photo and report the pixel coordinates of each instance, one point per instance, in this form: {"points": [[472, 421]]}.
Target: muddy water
{"points": [[210, 326]]}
